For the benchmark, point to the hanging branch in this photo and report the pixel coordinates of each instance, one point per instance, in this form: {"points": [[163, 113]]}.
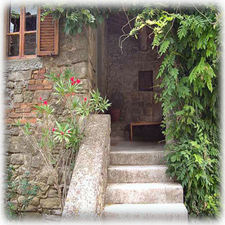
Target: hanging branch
{"points": [[124, 33]]}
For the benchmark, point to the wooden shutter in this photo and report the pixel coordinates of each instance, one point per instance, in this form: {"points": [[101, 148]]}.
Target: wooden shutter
{"points": [[47, 36]]}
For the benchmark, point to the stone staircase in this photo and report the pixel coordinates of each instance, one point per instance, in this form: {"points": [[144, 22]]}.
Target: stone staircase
{"points": [[138, 187]]}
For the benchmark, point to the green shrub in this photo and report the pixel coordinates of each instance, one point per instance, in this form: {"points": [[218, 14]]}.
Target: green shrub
{"points": [[195, 164], [188, 39]]}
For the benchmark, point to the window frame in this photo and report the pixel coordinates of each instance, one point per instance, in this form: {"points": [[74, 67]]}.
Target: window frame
{"points": [[22, 32]]}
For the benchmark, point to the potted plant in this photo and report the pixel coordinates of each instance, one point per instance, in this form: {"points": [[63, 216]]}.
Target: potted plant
{"points": [[117, 102]]}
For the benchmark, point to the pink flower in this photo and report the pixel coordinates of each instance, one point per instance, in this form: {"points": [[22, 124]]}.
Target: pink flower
{"points": [[78, 81], [73, 82], [40, 98], [45, 103], [85, 99], [69, 131], [62, 132], [72, 78], [53, 129], [58, 75]]}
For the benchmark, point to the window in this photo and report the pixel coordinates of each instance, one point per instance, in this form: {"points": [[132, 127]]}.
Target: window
{"points": [[28, 36], [145, 80]]}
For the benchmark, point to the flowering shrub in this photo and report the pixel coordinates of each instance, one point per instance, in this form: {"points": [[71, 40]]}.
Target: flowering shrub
{"points": [[95, 104], [51, 135]]}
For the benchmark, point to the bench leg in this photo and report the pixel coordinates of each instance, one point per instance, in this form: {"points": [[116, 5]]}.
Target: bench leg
{"points": [[131, 132]]}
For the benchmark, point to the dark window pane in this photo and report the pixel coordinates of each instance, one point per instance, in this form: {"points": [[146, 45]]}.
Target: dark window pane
{"points": [[145, 80], [30, 44], [13, 45], [14, 19], [31, 18]]}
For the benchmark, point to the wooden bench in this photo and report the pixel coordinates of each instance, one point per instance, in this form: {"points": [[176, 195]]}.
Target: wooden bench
{"points": [[132, 124]]}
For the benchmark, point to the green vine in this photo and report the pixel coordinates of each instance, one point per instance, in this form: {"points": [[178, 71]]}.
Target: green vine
{"points": [[189, 41], [27, 189], [77, 19]]}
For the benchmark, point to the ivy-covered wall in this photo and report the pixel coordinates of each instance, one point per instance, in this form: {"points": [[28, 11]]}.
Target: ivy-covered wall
{"points": [[189, 40]]}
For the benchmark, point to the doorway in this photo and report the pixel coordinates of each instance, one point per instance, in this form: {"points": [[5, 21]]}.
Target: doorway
{"points": [[127, 76]]}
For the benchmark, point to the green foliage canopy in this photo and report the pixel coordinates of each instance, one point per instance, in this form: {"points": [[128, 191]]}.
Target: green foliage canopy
{"points": [[77, 19]]}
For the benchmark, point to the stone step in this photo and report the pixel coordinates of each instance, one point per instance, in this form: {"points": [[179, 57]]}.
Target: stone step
{"points": [[146, 157], [150, 212], [138, 174], [143, 193]]}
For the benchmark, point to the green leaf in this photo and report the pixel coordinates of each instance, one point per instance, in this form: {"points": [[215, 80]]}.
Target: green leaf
{"points": [[164, 46], [173, 158], [79, 30]]}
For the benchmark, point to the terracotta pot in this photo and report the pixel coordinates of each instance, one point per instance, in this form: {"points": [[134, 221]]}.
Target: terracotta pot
{"points": [[115, 114]]}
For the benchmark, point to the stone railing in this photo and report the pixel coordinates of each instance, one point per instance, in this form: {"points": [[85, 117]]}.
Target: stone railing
{"points": [[85, 198]]}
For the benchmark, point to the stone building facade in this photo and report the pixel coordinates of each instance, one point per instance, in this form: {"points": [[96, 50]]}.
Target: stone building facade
{"points": [[25, 83], [95, 57]]}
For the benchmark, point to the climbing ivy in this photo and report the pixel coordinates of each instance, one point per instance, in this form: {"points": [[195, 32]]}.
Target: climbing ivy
{"points": [[76, 19], [188, 40]]}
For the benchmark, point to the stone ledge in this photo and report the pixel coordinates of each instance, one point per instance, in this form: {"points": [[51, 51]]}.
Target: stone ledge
{"points": [[23, 64], [86, 193], [145, 213]]}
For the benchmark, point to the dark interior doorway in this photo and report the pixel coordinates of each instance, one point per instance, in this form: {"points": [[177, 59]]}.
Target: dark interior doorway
{"points": [[127, 77]]}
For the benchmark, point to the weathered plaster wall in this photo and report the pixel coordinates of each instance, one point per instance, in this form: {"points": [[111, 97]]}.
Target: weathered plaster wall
{"points": [[25, 83], [122, 74]]}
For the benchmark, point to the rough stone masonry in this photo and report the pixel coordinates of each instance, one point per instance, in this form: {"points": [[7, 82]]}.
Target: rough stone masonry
{"points": [[25, 83]]}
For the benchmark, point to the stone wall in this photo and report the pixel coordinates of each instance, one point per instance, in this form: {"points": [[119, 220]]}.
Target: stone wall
{"points": [[25, 83], [73, 55], [92, 57], [101, 64], [121, 74]]}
